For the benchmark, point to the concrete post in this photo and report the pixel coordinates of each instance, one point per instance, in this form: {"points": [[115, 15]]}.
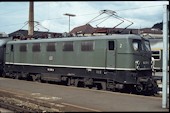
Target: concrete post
{"points": [[31, 19], [165, 58]]}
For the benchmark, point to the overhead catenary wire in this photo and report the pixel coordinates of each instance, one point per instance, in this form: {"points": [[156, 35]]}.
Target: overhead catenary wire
{"points": [[103, 20], [140, 7], [24, 25], [38, 24], [111, 14], [81, 15]]}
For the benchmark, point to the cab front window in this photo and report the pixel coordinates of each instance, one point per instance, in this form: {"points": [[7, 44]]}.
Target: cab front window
{"points": [[137, 45], [147, 45]]}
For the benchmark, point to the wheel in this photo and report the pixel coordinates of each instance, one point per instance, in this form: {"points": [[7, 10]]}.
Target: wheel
{"points": [[68, 81], [80, 84], [99, 86], [103, 85], [43, 81], [152, 88], [127, 89], [90, 86], [4, 74], [139, 89], [76, 82], [0, 74], [36, 77], [16, 76], [33, 78]]}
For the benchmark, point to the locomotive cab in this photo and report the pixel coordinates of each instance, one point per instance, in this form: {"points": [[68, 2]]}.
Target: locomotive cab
{"points": [[143, 65], [142, 54], [134, 64]]}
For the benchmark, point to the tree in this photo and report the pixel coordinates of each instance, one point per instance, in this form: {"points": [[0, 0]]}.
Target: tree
{"points": [[159, 25]]}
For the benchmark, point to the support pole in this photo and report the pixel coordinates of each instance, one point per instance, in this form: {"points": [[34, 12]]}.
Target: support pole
{"points": [[72, 15], [31, 19], [69, 25], [165, 58]]}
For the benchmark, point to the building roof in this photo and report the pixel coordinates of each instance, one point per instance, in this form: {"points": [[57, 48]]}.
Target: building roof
{"points": [[151, 30], [24, 33], [84, 29], [88, 29], [114, 36], [116, 30]]}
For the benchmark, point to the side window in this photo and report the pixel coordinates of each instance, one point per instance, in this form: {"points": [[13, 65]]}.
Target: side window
{"points": [[50, 46], [111, 45], [36, 47], [12, 48], [68, 46], [23, 47], [87, 46]]}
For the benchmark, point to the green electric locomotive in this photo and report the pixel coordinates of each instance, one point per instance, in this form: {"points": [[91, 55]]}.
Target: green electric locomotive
{"points": [[109, 62]]}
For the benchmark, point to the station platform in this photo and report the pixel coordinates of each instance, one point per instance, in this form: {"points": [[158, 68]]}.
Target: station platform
{"points": [[88, 100]]}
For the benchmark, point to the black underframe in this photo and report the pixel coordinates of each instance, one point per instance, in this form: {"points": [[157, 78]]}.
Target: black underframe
{"points": [[119, 76]]}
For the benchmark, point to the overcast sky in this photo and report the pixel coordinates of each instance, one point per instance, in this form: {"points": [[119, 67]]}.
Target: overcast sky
{"points": [[143, 14]]}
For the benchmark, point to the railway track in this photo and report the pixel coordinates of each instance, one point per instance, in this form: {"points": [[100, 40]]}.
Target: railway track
{"points": [[14, 107], [23, 103]]}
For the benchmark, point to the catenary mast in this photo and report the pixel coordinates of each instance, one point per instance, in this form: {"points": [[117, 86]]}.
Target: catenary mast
{"points": [[31, 19]]}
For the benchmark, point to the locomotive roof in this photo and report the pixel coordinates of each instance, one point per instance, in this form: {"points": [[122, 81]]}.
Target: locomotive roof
{"points": [[115, 36]]}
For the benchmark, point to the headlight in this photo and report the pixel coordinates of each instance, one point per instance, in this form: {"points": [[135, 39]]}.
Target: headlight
{"points": [[152, 63], [137, 64]]}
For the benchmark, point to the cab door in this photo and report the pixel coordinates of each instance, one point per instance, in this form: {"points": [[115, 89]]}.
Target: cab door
{"points": [[9, 55], [12, 54], [110, 54]]}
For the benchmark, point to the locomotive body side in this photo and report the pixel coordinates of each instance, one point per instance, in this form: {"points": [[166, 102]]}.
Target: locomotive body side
{"points": [[109, 62]]}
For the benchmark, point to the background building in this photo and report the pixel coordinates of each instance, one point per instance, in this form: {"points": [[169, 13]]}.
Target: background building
{"points": [[23, 34]]}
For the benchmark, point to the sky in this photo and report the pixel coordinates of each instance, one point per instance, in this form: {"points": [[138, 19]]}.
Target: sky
{"points": [[50, 15]]}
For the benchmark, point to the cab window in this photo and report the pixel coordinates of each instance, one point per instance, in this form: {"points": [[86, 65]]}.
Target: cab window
{"points": [[137, 45], [147, 45], [111, 45], [12, 48]]}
